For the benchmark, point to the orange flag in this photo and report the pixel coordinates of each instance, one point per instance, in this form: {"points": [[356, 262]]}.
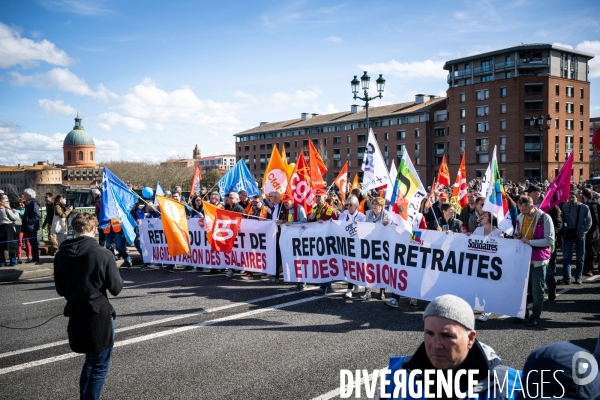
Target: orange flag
{"points": [[317, 167], [222, 227], [443, 178], [174, 225], [341, 181], [284, 159], [275, 178], [355, 184], [300, 185], [195, 190], [459, 192]]}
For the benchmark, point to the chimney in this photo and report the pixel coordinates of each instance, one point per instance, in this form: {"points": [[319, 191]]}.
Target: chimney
{"points": [[314, 115], [263, 123], [18, 165], [305, 116], [421, 98], [354, 108]]}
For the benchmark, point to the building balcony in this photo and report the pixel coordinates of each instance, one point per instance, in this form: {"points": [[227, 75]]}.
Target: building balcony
{"points": [[399, 153], [441, 118], [499, 67], [533, 62], [482, 149], [461, 74], [532, 147], [485, 69], [336, 157]]}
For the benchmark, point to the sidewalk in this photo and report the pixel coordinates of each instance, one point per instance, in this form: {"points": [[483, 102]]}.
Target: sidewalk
{"points": [[46, 268]]}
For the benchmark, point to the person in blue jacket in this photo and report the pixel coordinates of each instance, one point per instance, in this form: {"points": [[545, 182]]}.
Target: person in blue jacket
{"points": [[450, 344]]}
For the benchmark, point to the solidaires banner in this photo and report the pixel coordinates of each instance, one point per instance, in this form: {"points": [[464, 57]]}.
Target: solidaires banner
{"points": [[253, 250], [491, 274]]}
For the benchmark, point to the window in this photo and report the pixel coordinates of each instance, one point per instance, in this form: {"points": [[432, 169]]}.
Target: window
{"points": [[568, 144], [337, 140], [295, 144], [387, 136], [580, 125], [91, 156], [483, 111], [417, 133], [503, 91], [569, 108], [569, 124], [581, 109], [463, 128], [439, 131], [581, 93], [462, 98], [462, 146], [556, 123], [440, 150], [400, 150], [69, 155], [557, 106], [348, 140], [81, 156], [401, 135], [503, 108], [362, 138], [534, 88], [482, 126], [502, 124], [569, 91], [483, 94], [486, 65], [557, 89], [534, 105], [532, 148], [463, 113], [486, 78], [467, 81], [503, 149], [508, 74]]}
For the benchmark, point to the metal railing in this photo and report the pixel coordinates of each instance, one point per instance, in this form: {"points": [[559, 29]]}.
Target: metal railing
{"points": [[43, 233]]}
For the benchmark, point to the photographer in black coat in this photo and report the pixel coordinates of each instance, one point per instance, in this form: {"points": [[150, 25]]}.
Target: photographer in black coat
{"points": [[83, 273]]}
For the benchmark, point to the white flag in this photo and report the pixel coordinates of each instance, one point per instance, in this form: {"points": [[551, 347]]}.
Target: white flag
{"points": [[407, 195], [484, 188], [375, 171], [390, 187]]}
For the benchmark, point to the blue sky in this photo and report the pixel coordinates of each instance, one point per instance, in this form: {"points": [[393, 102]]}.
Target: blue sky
{"points": [[153, 78]]}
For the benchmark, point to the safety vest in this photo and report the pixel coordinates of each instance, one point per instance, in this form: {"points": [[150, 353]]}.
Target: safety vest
{"points": [[115, 224], [248, 207], [361, 206]]}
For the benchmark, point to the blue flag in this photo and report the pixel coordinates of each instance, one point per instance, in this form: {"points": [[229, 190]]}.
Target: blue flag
{"points": [[159, 191], [116, 203], [236, 179]]}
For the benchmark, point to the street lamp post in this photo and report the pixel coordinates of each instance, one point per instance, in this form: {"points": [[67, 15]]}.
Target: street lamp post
{"points": [[364, 83], [538, 124]]}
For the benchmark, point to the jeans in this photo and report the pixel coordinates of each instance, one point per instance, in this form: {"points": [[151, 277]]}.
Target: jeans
{"points": [[33, 241], [94, 372], [537, 277], [12, 256], [568, 255], [118, 239], [590, 252], [551, 272]]}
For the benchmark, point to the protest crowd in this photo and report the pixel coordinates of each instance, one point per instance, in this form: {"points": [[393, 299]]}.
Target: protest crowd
{"points": [[547, 216]]}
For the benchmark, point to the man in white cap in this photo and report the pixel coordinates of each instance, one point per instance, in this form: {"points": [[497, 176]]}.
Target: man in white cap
{"points": [[450, 344]]}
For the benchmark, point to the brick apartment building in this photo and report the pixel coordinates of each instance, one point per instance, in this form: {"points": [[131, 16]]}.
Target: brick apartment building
{"points": [[492, 96], [490, 99], [343, 136]]}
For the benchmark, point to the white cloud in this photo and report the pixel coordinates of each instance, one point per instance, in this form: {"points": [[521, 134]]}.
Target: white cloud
{"points": [[15, 50], [29, 147], [330, 109], [415, 69], [108, 149], [297, 98], [147, 102], [566, 46], [334, 39], [62, 79], [593, 47], [244, 95], [112, 118], [441, 93], [459, 15], [104, 127], [80, 7], [57, 107]]}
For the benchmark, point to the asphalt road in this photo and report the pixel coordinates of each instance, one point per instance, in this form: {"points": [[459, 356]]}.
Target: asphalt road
{"points": [[185, 335]]}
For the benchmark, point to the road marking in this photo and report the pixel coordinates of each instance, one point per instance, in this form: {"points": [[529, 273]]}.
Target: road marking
{"points": [[336, 392], [156, 335], [155, 322], [125, 287]]}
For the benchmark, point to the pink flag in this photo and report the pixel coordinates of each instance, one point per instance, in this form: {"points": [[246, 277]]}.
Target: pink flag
{"points": [[559, 189]]}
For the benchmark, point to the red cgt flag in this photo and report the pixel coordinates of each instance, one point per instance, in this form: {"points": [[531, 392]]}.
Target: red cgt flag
{"points": [[222, 227], [443, 178], [300, 187], [317, 167], [195, 190], [341, 181]]}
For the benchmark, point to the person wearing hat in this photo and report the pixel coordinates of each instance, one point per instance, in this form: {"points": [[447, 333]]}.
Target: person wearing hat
{"points": [[556, 361], [450, 343], [578, 220], [321, 211]]}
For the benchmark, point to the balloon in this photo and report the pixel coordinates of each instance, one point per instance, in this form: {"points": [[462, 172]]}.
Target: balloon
{"points": [[147, 192], [596, 141]]}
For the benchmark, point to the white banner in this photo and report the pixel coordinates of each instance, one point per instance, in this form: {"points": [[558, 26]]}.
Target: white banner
{"points": [[253, 251], [491, 274]]}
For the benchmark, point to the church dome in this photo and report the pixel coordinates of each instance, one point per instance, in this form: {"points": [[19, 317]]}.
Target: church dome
{"points": [[78, 136]]}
